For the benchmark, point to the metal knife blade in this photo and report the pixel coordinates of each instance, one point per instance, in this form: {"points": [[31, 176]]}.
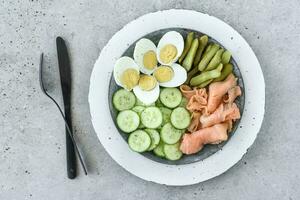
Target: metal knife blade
{"points": [[65, 79]]}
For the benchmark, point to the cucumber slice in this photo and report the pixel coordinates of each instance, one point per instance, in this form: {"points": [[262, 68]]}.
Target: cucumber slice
{"points": [[180, 118], [141, 126], [159, 150], [170, 97], [140, 103], [138, 109], [155, 138], [139, 141], [151, 117], [128, 121], [166, 113], [183, 102], [169, 134], [172, 151], [158, 103], [123, 100]]}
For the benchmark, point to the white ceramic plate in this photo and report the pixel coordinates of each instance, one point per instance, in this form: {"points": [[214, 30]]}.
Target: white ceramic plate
{"points": [[217, 163]]}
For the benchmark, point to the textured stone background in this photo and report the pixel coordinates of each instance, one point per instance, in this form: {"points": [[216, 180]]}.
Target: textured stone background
{"points": [[32, 152]]}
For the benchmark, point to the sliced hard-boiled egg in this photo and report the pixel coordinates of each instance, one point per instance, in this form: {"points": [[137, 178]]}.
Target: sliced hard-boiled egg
{"points": [[126, 73], [169, 48], [147, 97], [145, 55], [147, 82], [178, 78], [163, 74]]}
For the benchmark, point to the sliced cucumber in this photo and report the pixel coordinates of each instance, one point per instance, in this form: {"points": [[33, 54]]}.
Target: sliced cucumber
{"points": [[141, 126], [166, 113], [180, 118], [158, 103], [159, 150], [169, 134], [151, 117], [128, 121], [170, 97], [139, 141], [172, 151], [140, 103], [138, 109], [183, 102], [123, 100], [155, 138]]}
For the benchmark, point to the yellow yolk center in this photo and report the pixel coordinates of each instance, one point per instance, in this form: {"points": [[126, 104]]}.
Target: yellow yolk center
{"points": [[163, 74], [168, 53], [130, 78], [149, 60], [147, 82]]}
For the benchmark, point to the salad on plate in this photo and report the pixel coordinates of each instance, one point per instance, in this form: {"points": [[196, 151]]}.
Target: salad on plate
{"points": [[176, 96]]}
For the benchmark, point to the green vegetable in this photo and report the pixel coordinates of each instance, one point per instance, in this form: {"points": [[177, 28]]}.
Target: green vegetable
{"points": [[123, 100], [219, 67], [204, 76], [205, 83], [187, 45], [183, 102], [155, 138], [128, 121], [225, 72], [138, 109], [215, 60], [151, 117], [159, 150], [170, 97], [139, 141], [169, 134], [189, 59], [226, 57], [202, 44], [172, 151], [158, 103], [180, 118], [207, 49], [205, 60], [190, 74]]}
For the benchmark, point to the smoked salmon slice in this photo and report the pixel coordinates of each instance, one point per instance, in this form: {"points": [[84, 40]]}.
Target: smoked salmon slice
{"points": [[198, 102], [232, 94], [187, 91], [217, 90], [224, 112], [194, 142], [195, 123]]}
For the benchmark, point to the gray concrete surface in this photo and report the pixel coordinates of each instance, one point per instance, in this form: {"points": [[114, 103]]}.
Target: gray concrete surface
{"points": [[32, 151]]}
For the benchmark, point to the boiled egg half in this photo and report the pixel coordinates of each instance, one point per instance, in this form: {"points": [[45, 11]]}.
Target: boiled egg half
{"points": [[126, 73], [169, 48]]}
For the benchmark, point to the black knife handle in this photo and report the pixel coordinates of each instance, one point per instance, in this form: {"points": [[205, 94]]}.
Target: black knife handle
{"points": [[71, 158], [70, 151]]}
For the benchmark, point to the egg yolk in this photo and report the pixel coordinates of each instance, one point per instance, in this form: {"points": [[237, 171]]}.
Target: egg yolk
{"points": [[163, 74], [168, 53], [149, 60], [130, 78], [147, 82]]}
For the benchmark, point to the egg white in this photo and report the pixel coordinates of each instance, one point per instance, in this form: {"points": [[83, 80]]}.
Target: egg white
{"points": [[147, 97], [141, 47], [179, 76], [174, 38], [121, 65]]}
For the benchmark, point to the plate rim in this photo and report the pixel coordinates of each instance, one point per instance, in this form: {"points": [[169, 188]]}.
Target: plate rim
{"points": [[181, 174]]}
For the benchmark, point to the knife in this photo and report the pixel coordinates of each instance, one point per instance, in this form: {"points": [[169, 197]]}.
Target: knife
{"points": [[65, 79]]}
